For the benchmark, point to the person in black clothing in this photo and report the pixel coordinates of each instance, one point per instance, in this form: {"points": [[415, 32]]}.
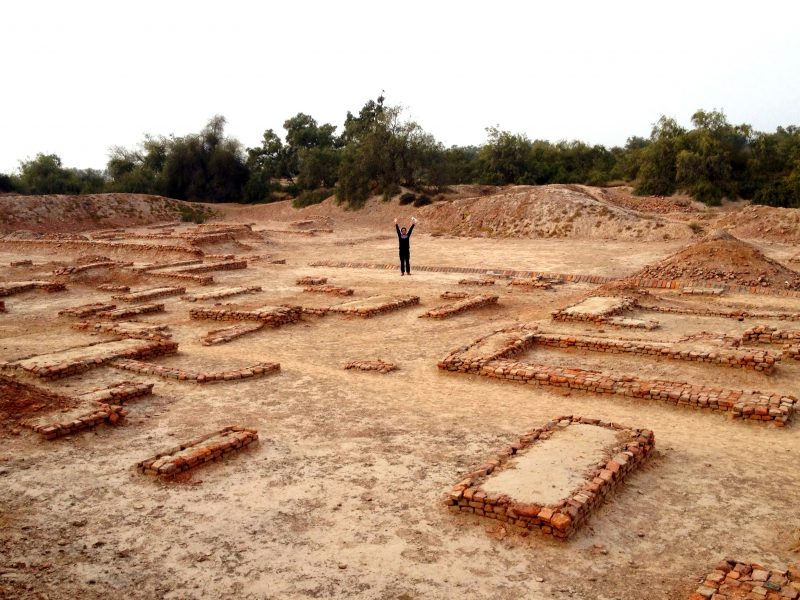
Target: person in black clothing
{"points": [[405, 250]]}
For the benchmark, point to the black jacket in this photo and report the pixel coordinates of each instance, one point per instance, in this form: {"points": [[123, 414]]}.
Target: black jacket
{"points": [[404, 239]]}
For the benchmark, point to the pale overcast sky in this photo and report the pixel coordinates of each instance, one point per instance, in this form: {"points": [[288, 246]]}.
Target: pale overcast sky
{"points": [[80, 76]]}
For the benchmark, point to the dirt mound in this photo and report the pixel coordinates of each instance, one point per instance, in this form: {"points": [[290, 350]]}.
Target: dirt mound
{"points": [[623, 196], [723, 258], [763, 222], [550, 211], [62, 213]]}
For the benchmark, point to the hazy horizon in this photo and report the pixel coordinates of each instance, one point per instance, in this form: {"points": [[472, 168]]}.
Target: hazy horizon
{"points": [[87, 75]]}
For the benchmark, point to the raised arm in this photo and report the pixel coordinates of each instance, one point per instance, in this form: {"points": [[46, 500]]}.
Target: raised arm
{"points": [[413, 222]]}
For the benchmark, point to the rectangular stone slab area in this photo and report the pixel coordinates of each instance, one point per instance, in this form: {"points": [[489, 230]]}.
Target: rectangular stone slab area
{"points": [[76, 360], [198, 451], [374, 305], [555, 476]]}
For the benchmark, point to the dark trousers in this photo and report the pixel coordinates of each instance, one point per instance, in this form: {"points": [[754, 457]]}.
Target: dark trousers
{"points": [[405, 265]]}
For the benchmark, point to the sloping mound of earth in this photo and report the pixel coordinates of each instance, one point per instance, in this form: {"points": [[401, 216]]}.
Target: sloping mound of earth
{"points": [[623, 196], [763, 222], [549, 211], [64, 213], [723, 258]]}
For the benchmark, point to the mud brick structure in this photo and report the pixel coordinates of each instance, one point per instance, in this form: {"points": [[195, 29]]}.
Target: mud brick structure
{"points": [[141, 331], [739, 314], [226, 334], [223, 293], [132, 311], [146, 368], [531, 283], [194, 278], [76, 244], [112, 287], [165, 225], [86, 310], [82, 358], [274, 316], [479, 493], [278, 261], [230, 265], [759, 360], [703, 291], [167, 265], [471, 303], [85, 416], [767, 334], [454, 295], [10, 288], [476, 282], [75, 269], [305, 281], [374, 305], [220, 257], [193, 453], [734, 580], [329, 289], [119, 393], [21, 263], [490, 356], [371, 365], [150, 294], [604, 310]]}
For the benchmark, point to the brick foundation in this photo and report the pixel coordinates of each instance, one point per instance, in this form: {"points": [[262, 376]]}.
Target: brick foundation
{"points": [[376, 309], [608, 315], [231, 265], [274, 316], [150, 294], [75, 269], [562, 519], [111, 287], [167, 265], [97, 245], [329, 289], [371, 365], [193, 453], [86, 310], [304, 281], [476, 282], [454, 295], [146, 368], [471, 303], [734, 580], [132, 311], [739, 404], [703, 291], [729, 314], [199, 279], [141, 331], [223, 293], [226, 334], [17, 287], [531, 283]]}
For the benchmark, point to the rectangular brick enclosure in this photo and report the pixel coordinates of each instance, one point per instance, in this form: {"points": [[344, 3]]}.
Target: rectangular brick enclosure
{"points": [[198, 451], [555, 476], [82, 358], [271, 315], [374, 305], [469, 303], [491, 356], [734, 580], [605, 310]]}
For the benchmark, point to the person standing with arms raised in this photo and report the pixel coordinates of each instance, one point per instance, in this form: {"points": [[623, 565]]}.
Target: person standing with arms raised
{"points": [[403, 237]]}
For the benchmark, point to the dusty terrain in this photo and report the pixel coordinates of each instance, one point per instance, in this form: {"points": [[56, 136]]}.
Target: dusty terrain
{"points": [[343, 495]]}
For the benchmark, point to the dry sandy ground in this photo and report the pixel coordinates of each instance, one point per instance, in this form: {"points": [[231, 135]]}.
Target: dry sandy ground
{"points": [[342, 497]]}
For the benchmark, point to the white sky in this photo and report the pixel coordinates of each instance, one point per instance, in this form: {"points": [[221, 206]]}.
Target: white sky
{"points": [[78, 77]]}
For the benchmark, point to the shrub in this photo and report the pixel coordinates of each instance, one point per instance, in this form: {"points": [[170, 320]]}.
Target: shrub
{"points": [[309, 197], [696, 227], [423, 200], [407, 198], [192, 214]]}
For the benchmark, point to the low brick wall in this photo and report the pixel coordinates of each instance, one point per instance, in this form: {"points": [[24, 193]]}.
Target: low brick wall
{"points": [[223, 293], [132, 311], [759, 360], [304, 281], [271, 315], [199, 279], [329, 289], [768, 334], [139, 331], [230, 265], [563, 518], [83, 358], [597, 316], [150, 294], [729, 314], [146, 368], [703, 291], [739, 404], [193, 453], [476, 282], [167, 265], [86, 310], [75, 269], [531, 283], [21, 263], [471, 303], [454, 295], [226, 334], [119, 393], [84, 417], [734, 580], [97, 245], [371, 365], [378, 309], [17, 287], [111, 287]]}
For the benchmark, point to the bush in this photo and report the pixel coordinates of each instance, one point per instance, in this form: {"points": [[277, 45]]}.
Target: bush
{"points": [[423, 200], [407, 198], [309, 197], [192, 214], [696, 228], [6, 184]]}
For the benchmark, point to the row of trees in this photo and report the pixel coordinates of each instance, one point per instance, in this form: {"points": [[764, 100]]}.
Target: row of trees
{"points": [[378, 152]]}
